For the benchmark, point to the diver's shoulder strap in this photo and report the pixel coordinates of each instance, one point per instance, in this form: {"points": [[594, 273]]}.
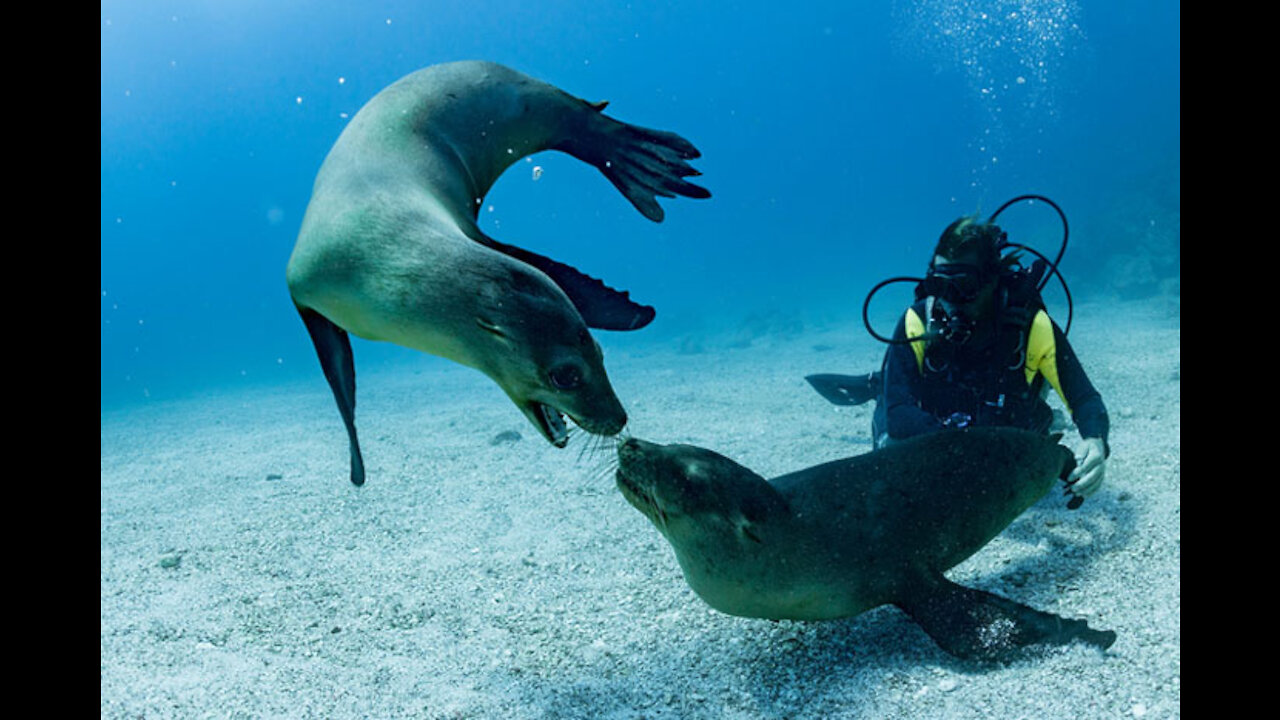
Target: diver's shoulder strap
{"points": [[1042, 354], [914, 327]]}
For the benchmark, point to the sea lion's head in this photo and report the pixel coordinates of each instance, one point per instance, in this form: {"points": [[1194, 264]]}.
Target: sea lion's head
{"points": [[538, 349], [696, 497]]}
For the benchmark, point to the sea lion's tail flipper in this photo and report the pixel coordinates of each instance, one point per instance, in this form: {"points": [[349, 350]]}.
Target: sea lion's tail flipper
{"points": [[334, 348], [977, 625], [600, 306], [640, 162]]}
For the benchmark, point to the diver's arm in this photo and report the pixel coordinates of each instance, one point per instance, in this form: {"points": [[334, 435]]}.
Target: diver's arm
{"points": [[1090, 415], [1087, 408], [903, 416]]}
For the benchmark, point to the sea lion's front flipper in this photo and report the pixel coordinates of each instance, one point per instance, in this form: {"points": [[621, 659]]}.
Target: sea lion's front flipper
{"points": [[600, 306], [640, 162], [334, 348], [978, 625]]}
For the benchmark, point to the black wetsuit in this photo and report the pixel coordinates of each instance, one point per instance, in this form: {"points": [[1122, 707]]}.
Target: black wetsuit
{"points": [[987, 384]]}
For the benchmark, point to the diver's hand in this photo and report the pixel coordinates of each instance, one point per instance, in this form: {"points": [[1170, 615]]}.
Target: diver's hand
{"points": [[1091, 467]]}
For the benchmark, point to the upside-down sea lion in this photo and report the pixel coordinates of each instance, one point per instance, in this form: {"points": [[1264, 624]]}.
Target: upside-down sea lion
{"points": [[389, 248], [840, 538]]}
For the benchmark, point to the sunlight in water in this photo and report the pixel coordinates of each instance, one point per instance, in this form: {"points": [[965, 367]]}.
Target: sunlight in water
{"points": [[1010, 52]]}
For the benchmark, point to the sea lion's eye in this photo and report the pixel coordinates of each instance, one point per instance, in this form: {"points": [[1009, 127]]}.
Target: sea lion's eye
{"points": [[565, 377]]}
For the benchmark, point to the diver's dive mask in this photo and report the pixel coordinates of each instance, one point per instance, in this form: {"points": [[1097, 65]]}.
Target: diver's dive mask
{"points": [[956, 283], [953, 288]]}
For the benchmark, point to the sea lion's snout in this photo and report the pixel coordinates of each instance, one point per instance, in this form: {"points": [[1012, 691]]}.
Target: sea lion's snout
{"points": [[576, 387], [635, 478], [631, 455], [609, 425], [598, 413], [631, 447]]}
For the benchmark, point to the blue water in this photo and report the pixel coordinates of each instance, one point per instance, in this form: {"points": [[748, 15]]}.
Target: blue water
{"points": [[838, 139]]}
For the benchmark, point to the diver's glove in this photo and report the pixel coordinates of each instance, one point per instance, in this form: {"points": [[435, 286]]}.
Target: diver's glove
{"points": [[1091, 467]]}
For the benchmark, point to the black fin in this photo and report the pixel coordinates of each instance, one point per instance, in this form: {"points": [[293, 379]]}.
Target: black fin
{"points": [[844, 389], [334, 348], [601, 306], [977, 625]]}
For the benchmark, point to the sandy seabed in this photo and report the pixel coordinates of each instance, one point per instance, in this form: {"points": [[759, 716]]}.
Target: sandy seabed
{"points": [[243, 576]]}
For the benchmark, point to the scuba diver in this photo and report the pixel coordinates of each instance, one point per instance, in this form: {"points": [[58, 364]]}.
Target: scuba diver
{"points": [[977, 347]]}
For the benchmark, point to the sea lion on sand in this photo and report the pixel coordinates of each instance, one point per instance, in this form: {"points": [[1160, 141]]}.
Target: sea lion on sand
{"points": [[840, 538], [389, 248]]}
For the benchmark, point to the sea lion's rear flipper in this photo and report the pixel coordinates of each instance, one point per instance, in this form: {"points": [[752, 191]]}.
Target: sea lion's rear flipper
{"points": [[977, 625], [334, 348], [640, 162], [600, 306]]}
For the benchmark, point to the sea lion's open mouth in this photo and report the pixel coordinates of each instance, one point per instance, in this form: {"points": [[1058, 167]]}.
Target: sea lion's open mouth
{"points": [[551, 422]]}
